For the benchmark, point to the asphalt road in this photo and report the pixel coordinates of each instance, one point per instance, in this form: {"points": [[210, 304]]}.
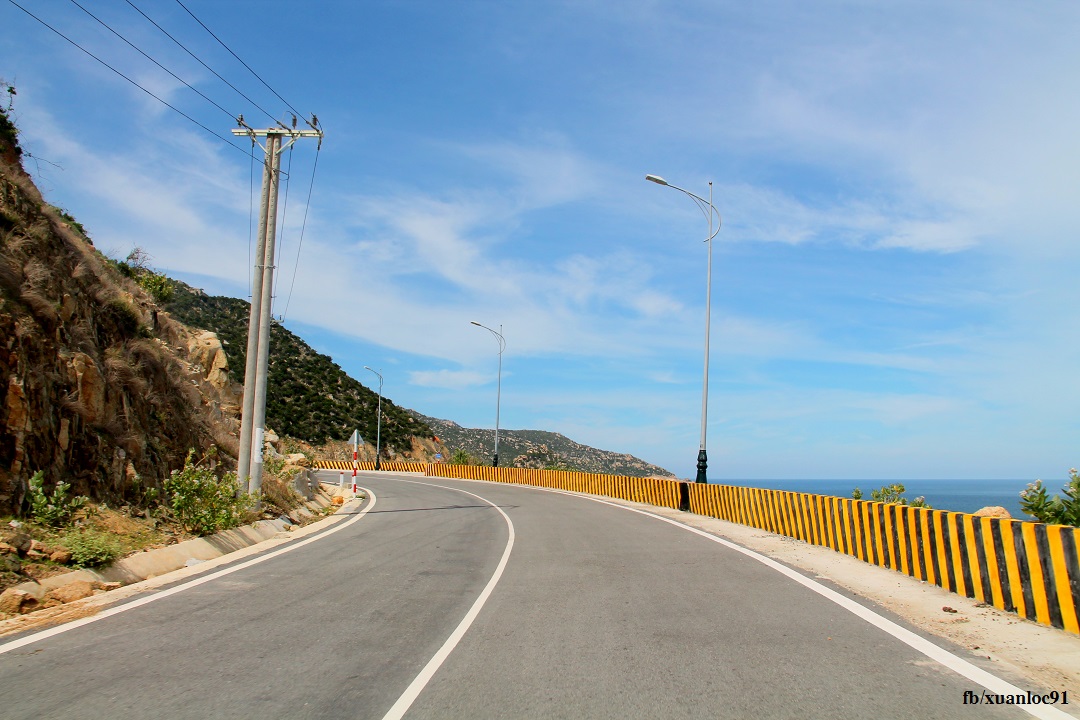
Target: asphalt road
{"points": [[571, 609]]}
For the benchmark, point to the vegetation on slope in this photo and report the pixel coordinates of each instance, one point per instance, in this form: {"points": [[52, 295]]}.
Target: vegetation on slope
{"points": [[311, 397], [97, 391]]}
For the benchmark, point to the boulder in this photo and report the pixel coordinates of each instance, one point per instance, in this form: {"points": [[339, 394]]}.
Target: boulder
{"points": [[298, 459], [71, 592], [10, 563], [993, 511], [12, 601], [21, 542], [61, 557]]}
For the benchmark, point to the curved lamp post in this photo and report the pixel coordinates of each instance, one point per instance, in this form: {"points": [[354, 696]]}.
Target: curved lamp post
{"points": [[707, 209], [378, 424], [498, 396]]}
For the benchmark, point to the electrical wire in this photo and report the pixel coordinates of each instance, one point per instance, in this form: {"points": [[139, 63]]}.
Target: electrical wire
{"points": [[295, 111], [193, 55], [163, 102], [251, 213], [281, 236], [132, 45], [303, 226]]}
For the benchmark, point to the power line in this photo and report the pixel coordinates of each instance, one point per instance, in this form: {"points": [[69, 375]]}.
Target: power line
{"points": [[132, 45], [303, 226], [295, 111], [193, 55], [251, 207], [171, 107], [284, 215]]}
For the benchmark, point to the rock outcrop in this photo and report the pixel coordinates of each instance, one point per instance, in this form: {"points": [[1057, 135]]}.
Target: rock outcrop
{"points": [[97, 387]]}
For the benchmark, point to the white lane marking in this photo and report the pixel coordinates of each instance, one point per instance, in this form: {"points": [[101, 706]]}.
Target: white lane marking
{"points": [[117, 609], [955, 663], [417, 686]]}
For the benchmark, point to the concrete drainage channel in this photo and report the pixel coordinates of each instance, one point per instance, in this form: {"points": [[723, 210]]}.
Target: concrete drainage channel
{"points": [[63, 592]]}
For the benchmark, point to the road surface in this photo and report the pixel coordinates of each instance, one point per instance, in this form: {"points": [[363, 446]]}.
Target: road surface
{"points": [[453, 599]]}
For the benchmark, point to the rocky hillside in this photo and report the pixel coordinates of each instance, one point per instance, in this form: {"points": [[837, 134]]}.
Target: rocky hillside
{"points": [[311, 397], [539, 449], [107, 380], [97, 388]]}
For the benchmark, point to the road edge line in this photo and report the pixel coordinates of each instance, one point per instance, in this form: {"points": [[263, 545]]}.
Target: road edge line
{"points": [[145, 600]]}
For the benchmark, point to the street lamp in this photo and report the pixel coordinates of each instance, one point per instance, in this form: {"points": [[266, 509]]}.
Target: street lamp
{"points": [[707, 209], [378, 423], [498, 396]]}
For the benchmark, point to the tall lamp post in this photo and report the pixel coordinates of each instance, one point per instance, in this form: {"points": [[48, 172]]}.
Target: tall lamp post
{"points": [[708, 210], [498, 396], [378, 422]]}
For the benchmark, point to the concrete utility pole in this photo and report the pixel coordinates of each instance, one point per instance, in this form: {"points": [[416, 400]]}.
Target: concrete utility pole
{"points": [[253, 419]]}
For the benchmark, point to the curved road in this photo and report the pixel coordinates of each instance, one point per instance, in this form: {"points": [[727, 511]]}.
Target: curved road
{"points": [[457, 599]]}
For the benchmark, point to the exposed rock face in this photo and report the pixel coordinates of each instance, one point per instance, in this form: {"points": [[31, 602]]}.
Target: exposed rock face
{"points": [[205, 350], [96, 386], [90, 386], [993, 511]]}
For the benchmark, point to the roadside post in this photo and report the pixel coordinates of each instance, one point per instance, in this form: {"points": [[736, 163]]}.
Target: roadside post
{"points": [[356, 441]]}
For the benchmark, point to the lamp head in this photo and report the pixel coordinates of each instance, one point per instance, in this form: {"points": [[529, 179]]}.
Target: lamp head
{"points": [[656, 179], [473, 322]]}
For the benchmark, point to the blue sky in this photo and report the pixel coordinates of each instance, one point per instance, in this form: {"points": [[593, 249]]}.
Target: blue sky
{"points": [[893, 286]]}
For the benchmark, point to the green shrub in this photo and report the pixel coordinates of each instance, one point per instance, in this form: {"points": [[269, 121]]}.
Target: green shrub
{"points": [[157, 285], [1056, 510], [891, 495], [462, 457], [204, 503], [90, 548], [56, 509]]}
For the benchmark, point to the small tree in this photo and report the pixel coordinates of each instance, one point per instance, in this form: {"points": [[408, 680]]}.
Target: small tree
{"points": [[204, 503]]}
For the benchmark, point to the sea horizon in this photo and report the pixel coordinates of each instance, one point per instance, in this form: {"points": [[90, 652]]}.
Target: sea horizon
{"points": [[965, 496]]}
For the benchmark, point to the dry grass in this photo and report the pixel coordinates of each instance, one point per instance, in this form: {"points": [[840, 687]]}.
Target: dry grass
{"points": [[229, 443], [127, 371], [37, 274], [42, 308]]}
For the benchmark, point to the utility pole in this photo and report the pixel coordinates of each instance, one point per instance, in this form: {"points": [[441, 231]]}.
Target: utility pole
{"points": [[253, 418]]}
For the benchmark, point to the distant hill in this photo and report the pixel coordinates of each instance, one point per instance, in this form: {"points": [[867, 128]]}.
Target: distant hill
{"points": [[538, 449]]}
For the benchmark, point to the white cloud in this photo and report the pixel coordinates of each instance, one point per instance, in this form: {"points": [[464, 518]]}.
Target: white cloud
{"points": [[452, 379]]}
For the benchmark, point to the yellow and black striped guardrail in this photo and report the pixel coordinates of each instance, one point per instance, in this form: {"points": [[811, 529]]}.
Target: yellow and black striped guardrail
{"points": [[1028, 568], [664, 493], [370, 465], [1024, 567]]}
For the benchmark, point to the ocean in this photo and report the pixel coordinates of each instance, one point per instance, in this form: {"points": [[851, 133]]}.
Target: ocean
{"points": [[956, 495]]}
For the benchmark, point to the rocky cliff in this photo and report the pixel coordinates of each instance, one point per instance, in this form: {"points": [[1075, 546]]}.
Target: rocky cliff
{"points": [[97, 387]]}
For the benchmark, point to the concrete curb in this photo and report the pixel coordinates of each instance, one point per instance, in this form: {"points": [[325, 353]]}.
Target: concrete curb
{"points": [[152, 563]]}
